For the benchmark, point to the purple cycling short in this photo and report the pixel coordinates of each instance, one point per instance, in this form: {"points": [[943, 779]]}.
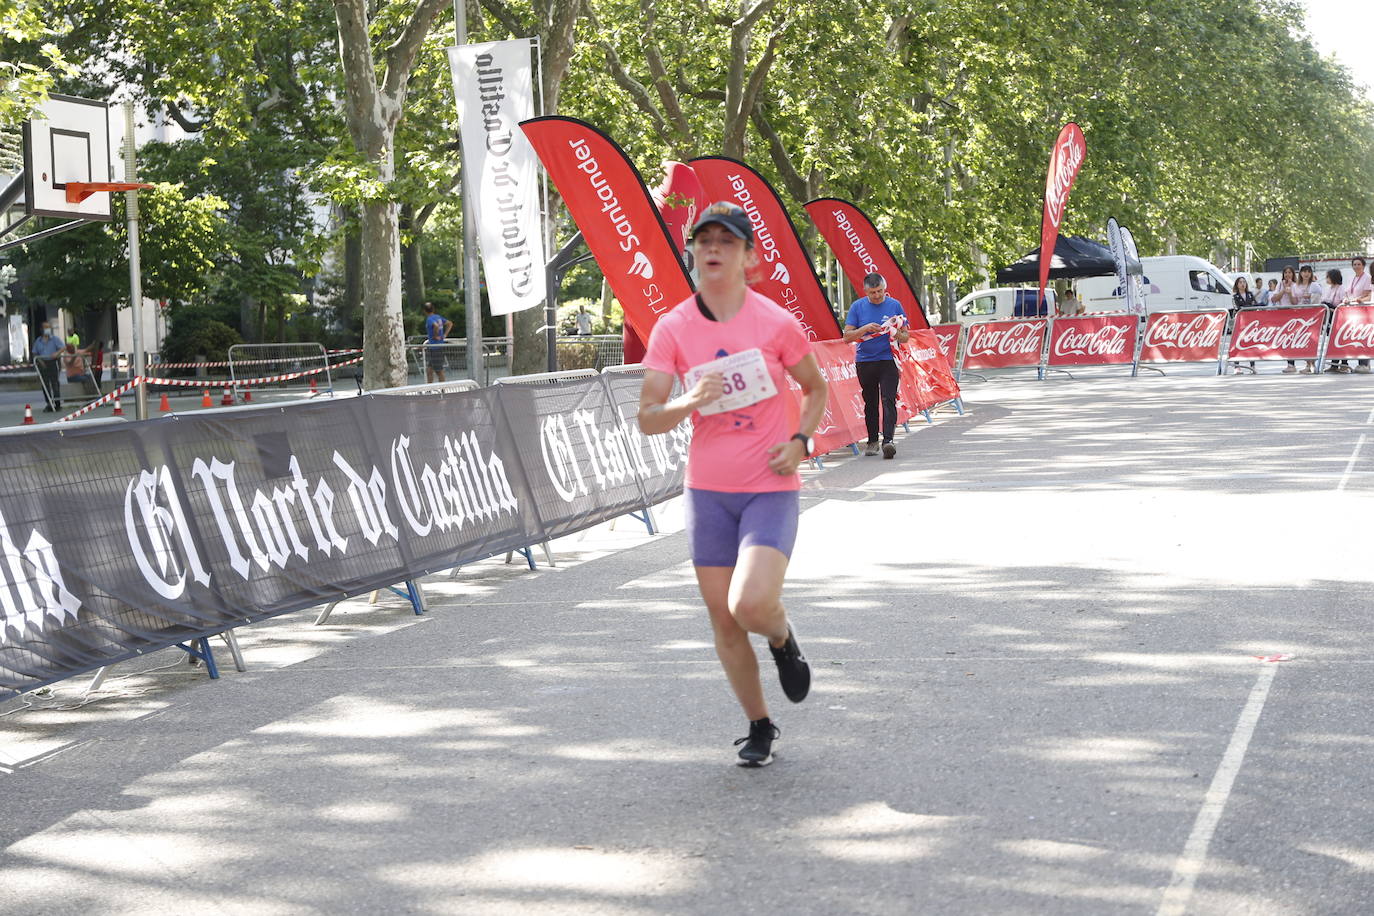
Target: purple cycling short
{"points": [[720, 524]]}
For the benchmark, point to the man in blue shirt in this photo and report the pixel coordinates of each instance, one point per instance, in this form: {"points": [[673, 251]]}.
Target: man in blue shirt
{"points": [[873, 323], [437, 328], [46, 351]]}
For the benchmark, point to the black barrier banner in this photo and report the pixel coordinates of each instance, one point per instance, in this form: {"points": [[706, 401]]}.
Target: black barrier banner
{"points": [[122, 539], [666, 457]]}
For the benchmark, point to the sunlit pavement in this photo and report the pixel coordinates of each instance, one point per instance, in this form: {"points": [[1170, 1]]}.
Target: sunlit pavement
{"points": [[1034, 638]]}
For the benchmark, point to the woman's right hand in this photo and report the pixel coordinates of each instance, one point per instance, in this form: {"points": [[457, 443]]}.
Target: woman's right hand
{"points": [[710, 387]]}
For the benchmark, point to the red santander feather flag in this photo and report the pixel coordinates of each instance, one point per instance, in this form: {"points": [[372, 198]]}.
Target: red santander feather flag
{"points": [[787, 275], [861, 251], [1065, 160], [619, 222]]}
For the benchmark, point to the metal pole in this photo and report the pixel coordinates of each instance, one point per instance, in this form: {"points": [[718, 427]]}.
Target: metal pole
{"points": [[472, 293], [551, 293], [135, 270]]}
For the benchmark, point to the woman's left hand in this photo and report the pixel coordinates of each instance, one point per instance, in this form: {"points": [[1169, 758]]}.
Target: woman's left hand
{"points": [[784, 457]]}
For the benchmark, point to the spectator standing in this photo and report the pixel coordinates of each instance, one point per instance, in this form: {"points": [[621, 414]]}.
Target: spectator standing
{"points": [[1283, 290], [1359, 292], [1242, 298], [1307, 292], [75, 362], [437, 329], [1333, 294], [873, 323], [47, 350], [1070, 304], [584, 321], [1262, 294]]}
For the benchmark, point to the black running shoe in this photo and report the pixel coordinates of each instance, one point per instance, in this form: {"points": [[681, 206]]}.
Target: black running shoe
{"points": [[793, 671], [889, 450], [758, 744]]}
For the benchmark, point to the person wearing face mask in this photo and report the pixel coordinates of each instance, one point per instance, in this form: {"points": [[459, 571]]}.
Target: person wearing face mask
{"points": [[47, 351]]}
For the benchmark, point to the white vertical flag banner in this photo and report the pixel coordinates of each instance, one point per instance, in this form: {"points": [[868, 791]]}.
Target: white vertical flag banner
{"points": [[1136, 270], [493, 84]]}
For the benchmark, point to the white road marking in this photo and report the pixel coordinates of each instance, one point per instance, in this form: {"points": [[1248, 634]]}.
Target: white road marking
{"points": [[1350, 465], [1194, 857]]}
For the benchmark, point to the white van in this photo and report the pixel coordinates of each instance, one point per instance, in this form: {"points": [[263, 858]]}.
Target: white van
{"points": [[1173, 283], [999, 303]]}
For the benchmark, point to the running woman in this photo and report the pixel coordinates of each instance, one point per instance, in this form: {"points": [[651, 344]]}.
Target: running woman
{"points": [[742, 482]]}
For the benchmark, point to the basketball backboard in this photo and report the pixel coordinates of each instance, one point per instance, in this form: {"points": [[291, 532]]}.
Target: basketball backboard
{"points": [[69, 141]]}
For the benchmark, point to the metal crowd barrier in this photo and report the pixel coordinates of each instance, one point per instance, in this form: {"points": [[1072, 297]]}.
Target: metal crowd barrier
{"points": [[606, 349]]}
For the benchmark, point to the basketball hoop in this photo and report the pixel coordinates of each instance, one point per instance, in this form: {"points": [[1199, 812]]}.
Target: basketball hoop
{"points": [[77, 191]]}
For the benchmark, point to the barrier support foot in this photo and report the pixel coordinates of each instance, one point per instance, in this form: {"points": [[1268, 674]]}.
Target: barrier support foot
{"points": [[644, 519], [199, 650], [232, 642]]}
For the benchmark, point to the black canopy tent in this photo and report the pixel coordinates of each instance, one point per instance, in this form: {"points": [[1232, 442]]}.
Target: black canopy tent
{"points": [[1074, 256]]}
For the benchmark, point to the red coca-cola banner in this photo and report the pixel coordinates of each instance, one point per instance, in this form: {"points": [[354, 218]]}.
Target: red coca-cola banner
{"points": [[926, 378], [861, 251], [1004, 344], [948, 336], [785, 273], [843, 421], [1183, 337], [1102, 340], [609, 203], [1352, 333], [1070, 149], [1289, 333]]}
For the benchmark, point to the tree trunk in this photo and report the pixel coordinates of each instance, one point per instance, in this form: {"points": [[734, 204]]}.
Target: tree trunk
{"points": [[384, 362], [412, 264], [531, 351], [350, 310]]}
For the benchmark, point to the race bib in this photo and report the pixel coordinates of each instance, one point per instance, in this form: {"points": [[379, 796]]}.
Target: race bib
{"points": [[746, 381], [890, 327]]}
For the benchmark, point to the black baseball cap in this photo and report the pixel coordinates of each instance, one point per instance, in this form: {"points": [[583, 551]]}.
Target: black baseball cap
{"points": [[731, 216]]}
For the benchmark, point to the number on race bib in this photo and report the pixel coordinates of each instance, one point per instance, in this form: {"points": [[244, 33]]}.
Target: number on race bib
{"points": [[744, 381]]}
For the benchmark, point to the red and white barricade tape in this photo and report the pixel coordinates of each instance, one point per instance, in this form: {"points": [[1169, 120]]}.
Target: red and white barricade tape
{"points": [[247, 362], [207, 383], [104, 400]]}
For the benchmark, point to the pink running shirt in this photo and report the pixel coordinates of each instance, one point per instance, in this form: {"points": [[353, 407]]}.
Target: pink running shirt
{"points": [[729, 451]]}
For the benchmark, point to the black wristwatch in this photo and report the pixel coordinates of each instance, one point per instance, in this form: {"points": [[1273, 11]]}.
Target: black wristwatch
{"points": [[808, 444]]}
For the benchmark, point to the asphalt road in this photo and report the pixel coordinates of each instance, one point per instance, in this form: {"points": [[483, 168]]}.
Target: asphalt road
{"points": [[1034, 635]]}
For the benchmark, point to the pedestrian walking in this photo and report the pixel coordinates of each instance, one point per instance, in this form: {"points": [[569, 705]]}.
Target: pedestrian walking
{"points": [[437, 329], [733, 348], [47, 351], [873, 322]]}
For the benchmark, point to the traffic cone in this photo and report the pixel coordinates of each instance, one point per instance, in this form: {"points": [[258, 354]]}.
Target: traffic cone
{"points": [[28, 415], [165, 406], [205, 398], [247, 395], [314, 389], [227, 399], [118, 411]]}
